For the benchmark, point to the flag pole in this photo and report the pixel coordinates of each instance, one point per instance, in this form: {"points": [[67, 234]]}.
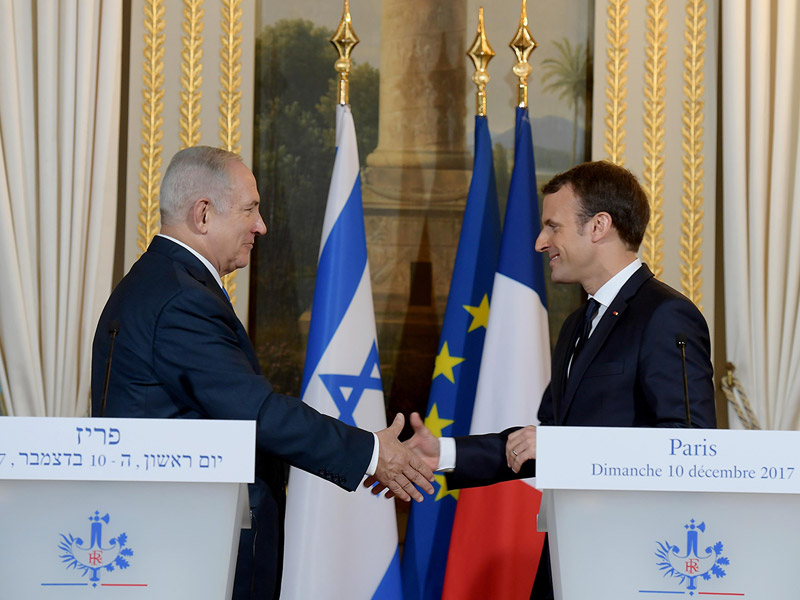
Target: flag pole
{"points": [[523, 44], [341, 378], [344, 40], [455, 374], [481, 53], [495, 547]]}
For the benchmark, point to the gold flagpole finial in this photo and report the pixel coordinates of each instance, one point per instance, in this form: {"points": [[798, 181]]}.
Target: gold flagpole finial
{"points": [[523, 44], [481, 53], [344, 39]]}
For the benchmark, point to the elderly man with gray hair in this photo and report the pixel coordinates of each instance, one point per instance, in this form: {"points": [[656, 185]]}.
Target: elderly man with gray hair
{"points": [[181, 352]]}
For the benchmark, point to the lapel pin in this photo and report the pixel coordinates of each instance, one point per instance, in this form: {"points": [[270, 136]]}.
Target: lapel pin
{"points": [[615, 313]]}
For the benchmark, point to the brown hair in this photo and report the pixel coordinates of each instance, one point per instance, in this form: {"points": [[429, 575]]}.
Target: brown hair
{"points": [[605, 187]]}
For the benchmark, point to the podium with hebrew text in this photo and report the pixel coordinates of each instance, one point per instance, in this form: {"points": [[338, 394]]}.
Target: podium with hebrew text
{"points": [[106, 508], [635, 513]]}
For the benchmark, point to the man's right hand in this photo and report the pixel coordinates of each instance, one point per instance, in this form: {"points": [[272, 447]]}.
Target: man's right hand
{"points": [[423, 442], [398, 467]]}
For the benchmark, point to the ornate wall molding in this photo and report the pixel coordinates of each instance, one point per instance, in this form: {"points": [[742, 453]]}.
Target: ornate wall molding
{"points": [[230, 79], [230, 93], [693, 156], [654, 117], [152, 122], [191, 72], [616, 79]]}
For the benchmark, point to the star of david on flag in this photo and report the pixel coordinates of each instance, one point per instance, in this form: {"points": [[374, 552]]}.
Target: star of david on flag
{"points": [[346, 390]]}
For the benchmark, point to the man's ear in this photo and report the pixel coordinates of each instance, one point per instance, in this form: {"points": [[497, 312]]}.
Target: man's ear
{"points": [[200, 214], [601, 225]]}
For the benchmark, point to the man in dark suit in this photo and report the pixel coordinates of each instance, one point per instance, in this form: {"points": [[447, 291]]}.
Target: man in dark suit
{"points": [[616, 362], [181, 352]]}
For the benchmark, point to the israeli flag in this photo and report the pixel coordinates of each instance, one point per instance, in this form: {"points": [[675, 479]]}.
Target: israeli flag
{"points": [[341, 544]]}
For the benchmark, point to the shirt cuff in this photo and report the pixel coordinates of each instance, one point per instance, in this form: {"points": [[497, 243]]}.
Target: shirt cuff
{"points": [[373, 463], [447, 454]]}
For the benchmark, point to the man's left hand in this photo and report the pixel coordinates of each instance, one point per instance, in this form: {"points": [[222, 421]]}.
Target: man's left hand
{"points": [[520, 447]]}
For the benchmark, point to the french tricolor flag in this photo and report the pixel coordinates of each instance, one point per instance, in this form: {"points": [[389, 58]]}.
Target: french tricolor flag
{"points": [[494, 547]]}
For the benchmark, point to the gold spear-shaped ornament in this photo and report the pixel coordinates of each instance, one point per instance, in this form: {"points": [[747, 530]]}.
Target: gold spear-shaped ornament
{"points": [[481, 53], [523, 44], [344, 39]]}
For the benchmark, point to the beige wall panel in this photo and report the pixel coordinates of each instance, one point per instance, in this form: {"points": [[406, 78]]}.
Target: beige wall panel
{"points": [[209, 114], [673, 153]]}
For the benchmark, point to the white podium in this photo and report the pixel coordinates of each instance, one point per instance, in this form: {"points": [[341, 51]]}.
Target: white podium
{"points": [[635, 514], [113, 508]]}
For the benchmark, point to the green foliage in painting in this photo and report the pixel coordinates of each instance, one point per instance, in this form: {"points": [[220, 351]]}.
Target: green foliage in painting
{"points": [[294, 146], [566, 76]]}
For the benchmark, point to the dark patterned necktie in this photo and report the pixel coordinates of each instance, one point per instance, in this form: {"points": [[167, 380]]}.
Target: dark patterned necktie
{"points": [[591, 310]]}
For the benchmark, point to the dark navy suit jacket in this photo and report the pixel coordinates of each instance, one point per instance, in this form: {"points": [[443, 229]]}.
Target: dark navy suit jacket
{"points": [[628, 374], [181, 352]]}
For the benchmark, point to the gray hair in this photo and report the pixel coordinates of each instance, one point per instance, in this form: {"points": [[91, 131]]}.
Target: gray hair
{"points": [[194, 173]]}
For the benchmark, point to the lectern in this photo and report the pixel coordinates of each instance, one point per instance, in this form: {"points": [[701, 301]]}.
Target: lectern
{"points": [[667, 513], [112, 508]]}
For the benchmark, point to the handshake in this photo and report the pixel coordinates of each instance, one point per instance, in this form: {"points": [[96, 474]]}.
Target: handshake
{"points": [[404, 465]]}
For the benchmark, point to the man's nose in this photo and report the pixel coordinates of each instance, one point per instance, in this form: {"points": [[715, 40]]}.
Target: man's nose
{"points": [[541, 242], [261, 228]]}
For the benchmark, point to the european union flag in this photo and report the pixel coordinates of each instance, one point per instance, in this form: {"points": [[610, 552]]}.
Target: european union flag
{"points": [[494, 556], [455, 375]]}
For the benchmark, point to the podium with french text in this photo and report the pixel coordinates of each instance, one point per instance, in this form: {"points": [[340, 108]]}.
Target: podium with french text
{"points": [[634, 513], [112, 508]]}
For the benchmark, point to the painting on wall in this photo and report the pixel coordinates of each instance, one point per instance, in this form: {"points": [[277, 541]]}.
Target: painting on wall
{"points": [[413, 104]]}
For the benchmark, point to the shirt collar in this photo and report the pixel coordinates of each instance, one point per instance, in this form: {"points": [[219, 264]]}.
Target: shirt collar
{"points": [[199, 256], [609, 290]]}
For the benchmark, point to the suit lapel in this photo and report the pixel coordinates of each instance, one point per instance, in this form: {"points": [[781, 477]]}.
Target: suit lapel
{"points": [[191, 263], [597, 340], [200, 272]]}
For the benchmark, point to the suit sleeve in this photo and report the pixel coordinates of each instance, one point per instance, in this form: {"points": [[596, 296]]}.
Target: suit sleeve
{"points": [[661, 372], [481, 460], [546, 416], [199, 359]]}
